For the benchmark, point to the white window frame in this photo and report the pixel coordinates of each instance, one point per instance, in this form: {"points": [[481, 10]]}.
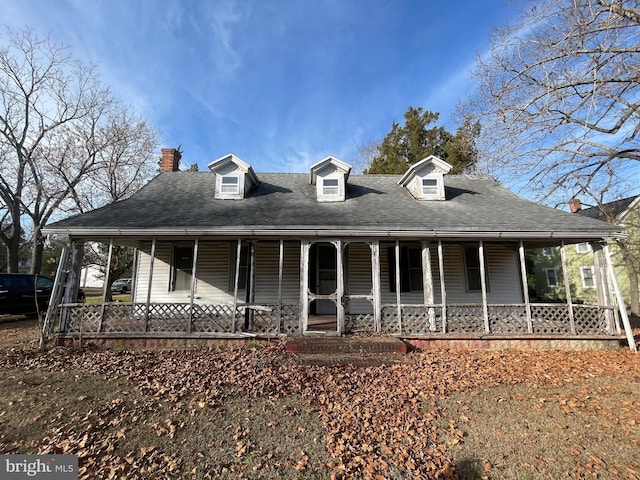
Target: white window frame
{"points": [[555, 275], [547, 251], [330, 186], [230, 184], [591, 276], [432, 188], [583, 247]]}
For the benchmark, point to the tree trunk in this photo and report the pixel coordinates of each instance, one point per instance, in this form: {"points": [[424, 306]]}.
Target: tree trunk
{"points": [[36, 253]]}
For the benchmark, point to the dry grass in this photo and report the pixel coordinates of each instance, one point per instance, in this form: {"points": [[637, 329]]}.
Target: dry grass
{"points": [[497, 415]]}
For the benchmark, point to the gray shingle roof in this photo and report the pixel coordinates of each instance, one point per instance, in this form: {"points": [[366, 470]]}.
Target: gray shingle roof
{"points": [[613, 209], [184, 201]]}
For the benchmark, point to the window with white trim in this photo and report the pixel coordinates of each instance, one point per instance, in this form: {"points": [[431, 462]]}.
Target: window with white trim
{"points": [[583, 247], [230, 184], [547, 252], [430, 186], [588, 277], [410, 269], [552, 277], [330, 186], [181, 268], [472, 269]]}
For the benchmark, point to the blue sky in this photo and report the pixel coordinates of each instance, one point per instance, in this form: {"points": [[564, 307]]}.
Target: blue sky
{"points": [[280, 83]]}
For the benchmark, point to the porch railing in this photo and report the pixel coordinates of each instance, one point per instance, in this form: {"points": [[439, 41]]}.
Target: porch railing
{"points": [[270, 319]]}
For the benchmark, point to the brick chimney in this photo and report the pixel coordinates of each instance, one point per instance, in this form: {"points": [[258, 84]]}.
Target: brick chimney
{"points": [[170, 160], [575, 205]]}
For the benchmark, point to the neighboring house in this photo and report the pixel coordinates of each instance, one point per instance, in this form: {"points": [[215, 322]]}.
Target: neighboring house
{"points": [[231, 253], [626, 213]]}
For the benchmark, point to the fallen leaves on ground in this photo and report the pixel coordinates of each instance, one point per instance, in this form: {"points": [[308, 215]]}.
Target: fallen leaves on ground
{"points": [[375, 418]]}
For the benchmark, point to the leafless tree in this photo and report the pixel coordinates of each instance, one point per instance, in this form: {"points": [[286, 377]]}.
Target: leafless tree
{"points": [[559, 98], [62, 135]]}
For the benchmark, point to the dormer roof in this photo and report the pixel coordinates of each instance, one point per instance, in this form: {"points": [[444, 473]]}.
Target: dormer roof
{"points": [[425, 179], [234, 177], [418, 169], [218, 165], [338, 165]]}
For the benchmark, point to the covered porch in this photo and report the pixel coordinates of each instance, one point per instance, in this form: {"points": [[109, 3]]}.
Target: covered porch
{"points": [[418, 288]]}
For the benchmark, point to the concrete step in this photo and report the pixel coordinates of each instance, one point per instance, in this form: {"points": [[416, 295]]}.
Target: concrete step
{"points": [[344, 345]]}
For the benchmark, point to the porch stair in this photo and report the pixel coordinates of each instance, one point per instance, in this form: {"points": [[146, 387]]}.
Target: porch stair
{"points": [[337, 351]]}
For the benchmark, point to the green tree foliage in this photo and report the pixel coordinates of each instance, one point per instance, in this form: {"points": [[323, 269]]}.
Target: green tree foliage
{"points": [[419, 138]]}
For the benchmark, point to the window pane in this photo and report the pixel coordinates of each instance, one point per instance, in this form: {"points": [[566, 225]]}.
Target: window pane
{"points": [[182, 266], [472, 263], [429, 186], [229, 184]]}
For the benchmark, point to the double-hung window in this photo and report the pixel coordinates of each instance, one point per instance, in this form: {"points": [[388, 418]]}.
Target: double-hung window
{"points": [[410, 269], [330, 186], [230, 184], [472, 269], [583, 247], [429, 186], [182, 267], [588, 277], [552, 277]]}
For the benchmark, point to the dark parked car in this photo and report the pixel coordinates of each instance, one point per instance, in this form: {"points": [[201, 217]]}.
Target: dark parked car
{"points": [[122, 285], [26, 294]]}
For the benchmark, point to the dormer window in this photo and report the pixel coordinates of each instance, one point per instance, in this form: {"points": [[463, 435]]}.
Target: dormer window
{"points": [[330, 186], [429, 186], [425, 179], [330, 179], [230, 184], [234, 177]]}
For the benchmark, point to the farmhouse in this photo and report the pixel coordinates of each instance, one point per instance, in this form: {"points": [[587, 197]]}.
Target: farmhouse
{"points": [[231, 253]]}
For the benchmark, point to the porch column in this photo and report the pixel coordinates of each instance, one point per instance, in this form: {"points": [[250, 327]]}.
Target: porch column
{"points": [[483, 286], [525, 286], [375, 284], [280, 275], [56, 297], [235, 286], [620, 300], [340, 286], [443, 291], [193, 284], [134, 274], [567, 287], [72, 279], [602, 286], [398, 285], [427, 284], [149, 284], [250, 294], [106, 284], [304, 284]]}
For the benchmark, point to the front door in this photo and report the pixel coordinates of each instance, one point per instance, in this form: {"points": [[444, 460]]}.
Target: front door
{"points": [[326, 279]]}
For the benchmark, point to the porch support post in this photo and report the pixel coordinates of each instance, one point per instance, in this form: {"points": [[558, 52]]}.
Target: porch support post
{"points": [[149, 284], [567, 287], [193, 284], [250, 295], [398, 284], [375, 284], [525, 286], [106, 283], [304, 284], [340, 286], [602, 286], [483, 286], [134, 274], [427, 283], [280, 275], [70, 294], [235, 286], [620, 300], [443, 291]]}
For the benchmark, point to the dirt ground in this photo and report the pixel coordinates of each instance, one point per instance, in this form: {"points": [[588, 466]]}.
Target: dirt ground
{"points": [[255, 413]]}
